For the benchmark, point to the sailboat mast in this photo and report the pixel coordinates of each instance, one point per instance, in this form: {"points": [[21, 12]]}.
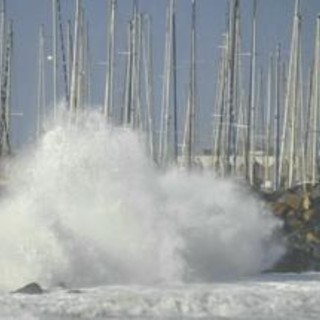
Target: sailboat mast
{"points": [[54, 55], [250, 113], [277, 120], [192, 93], [126, 113], [220, 107], [40, 105], [75, 62], [133, 85], [69, 45], [295, 93], [2, 32], [231, 83], [287, 152], [147, 46], [108, 102], [6, 92], [2, 47], [166, 89], [316, 105], [8, 87], [175, 97], [63, 52], [267, 130]]}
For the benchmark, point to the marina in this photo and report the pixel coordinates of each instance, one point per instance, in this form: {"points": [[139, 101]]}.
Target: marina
{"points": [[264, 118], [159, 159]]}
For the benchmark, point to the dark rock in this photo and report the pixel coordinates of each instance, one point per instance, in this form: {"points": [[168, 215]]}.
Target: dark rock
{"points": [[294, 261], [308, 215], [299, 209], [315, 192], [75, 291], [31, 288], [294, 201], [311, 237], [279, 208], [62, 285]]}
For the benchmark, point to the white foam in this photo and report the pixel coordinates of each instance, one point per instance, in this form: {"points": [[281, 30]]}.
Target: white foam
{"points": [[87, 206], [277, 297]]}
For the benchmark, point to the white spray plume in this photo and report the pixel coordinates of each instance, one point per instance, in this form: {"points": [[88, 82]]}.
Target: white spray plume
{"points": [[87, 206]]}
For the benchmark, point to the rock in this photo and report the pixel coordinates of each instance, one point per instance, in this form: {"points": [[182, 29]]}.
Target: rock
{"points": [[291, 214], [31, 288], [75, 291], [293, 201], [294, 261], [299, 208], [312, 238], [315, 192], [293, 225], [279, 208], [308, 215], [62, 285], [306, 202]]}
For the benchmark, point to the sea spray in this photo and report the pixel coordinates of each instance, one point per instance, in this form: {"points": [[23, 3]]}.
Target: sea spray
{"points": [[87, 206], [227, 232]]}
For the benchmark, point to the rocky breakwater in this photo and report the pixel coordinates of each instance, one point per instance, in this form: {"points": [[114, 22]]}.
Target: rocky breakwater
{"points": [[299, 209]]}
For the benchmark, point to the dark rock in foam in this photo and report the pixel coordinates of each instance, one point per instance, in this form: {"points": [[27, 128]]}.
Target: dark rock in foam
{"points": [[30, 288]]}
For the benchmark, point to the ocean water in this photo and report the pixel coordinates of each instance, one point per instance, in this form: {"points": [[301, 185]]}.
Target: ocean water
{"points": [[287, 297], [85, 205]]}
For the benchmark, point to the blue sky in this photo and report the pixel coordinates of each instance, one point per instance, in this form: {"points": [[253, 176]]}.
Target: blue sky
{"points": [[274, 26]]}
